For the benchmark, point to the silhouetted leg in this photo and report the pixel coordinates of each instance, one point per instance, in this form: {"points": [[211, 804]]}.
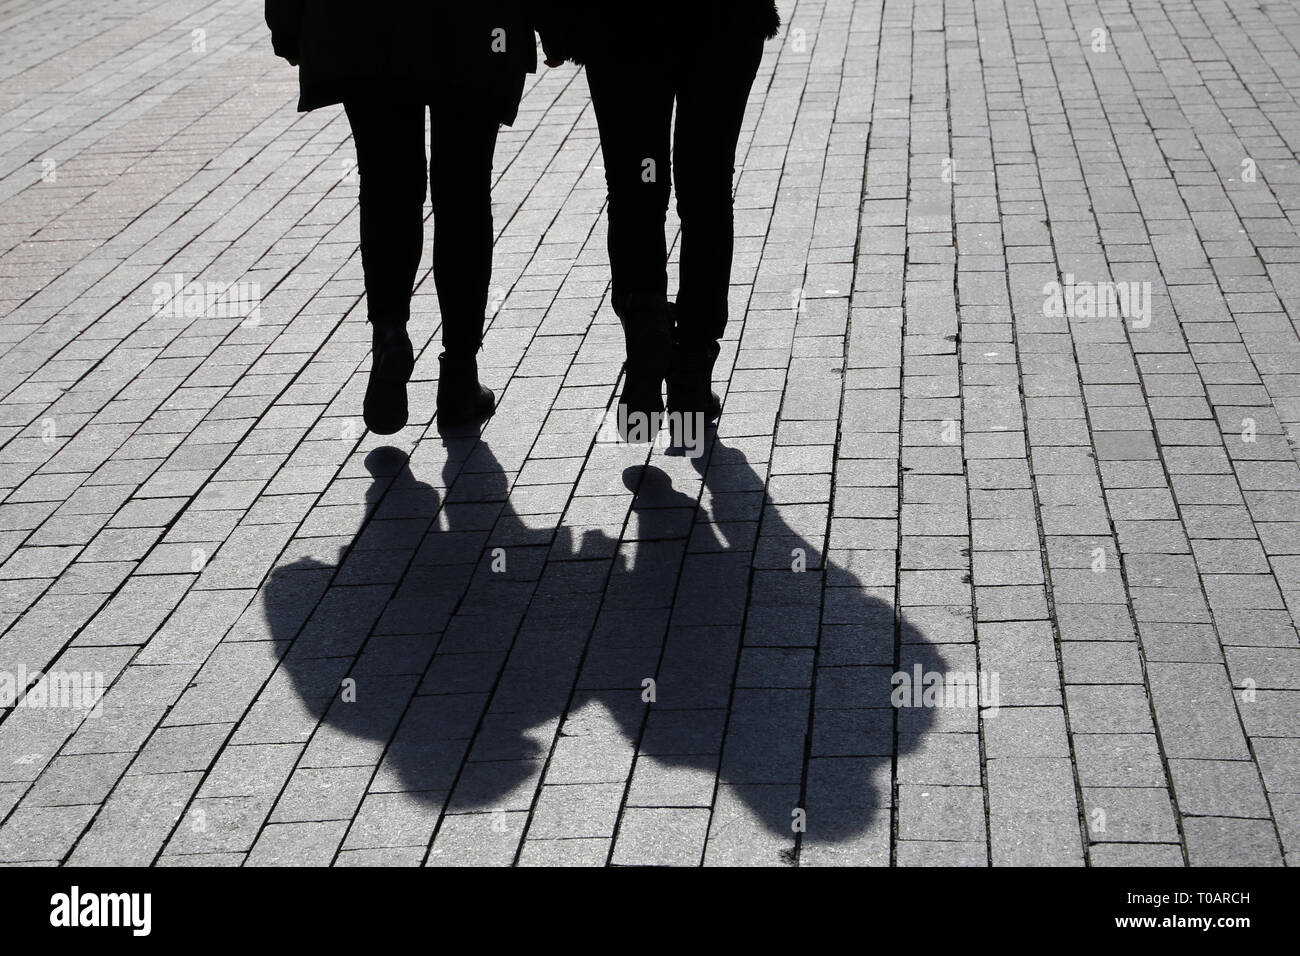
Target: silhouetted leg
{"points": [[633, 100], [713, 88], [634, 108], [463, 140], [389, 138]]}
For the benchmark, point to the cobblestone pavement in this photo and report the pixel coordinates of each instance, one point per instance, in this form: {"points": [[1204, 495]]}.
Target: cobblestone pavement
{"points": [[539, 646]]}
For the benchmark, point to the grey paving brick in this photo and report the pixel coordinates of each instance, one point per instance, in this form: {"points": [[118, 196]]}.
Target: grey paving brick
{"points": [[387, 820], [1108, 709], [297, 844], [136, 820], [1221, 841], [219, 825], [381, 857], [753, 825], [202, 859], [576, 811], [661, 837], [77, 779], [941, 813], [1136, 854], [941, 853], [42, 833], [1129, 815], [1197, 716], [1228, 788], [315, 794], [1033, 813], [477, 839], [1025, 732], [573, 852]]}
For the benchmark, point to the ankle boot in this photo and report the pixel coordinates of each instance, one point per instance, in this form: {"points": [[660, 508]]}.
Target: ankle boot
{"points": [[690, 379], [647, 330], [461, 398], [393, 360]]}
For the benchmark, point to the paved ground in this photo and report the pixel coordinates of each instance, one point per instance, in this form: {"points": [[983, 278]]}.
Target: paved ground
{"points": [[537, 646]]}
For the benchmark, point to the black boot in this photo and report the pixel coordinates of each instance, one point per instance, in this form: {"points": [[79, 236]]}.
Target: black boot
{"points": [[461, 399], [690, 380], [393, 360], [648, 331]]}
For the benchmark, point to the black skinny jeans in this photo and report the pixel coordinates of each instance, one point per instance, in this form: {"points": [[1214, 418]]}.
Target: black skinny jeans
{"points": [[389, 138], [633, 96]]}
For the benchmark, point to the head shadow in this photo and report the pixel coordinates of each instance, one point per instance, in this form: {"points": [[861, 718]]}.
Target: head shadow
{"points": [[461, 645]]}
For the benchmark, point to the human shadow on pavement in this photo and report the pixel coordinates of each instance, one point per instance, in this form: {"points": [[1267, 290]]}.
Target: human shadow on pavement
{"points": [[454, 639]]}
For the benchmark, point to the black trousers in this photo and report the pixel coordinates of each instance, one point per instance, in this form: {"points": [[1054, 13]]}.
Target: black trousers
{"points": [[389, 138], [633, 96]]}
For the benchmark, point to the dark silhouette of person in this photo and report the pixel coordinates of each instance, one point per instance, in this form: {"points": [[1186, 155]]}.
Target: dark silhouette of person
{"points": [[641, 59], [469, 634], [387, 64]]}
